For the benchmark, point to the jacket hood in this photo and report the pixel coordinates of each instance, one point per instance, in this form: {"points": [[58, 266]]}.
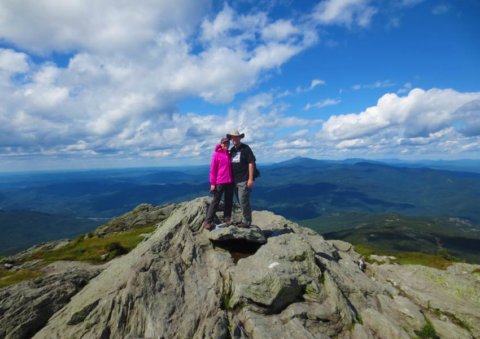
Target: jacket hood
{"points": [[218, 148]]}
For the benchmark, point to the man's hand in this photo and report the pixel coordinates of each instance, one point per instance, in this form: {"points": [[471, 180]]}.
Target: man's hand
{"points": [[212, 188], [250, 184]]}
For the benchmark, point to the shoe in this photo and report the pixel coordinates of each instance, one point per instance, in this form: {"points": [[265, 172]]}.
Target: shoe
{"points": [[227, 221], [207, 226]]}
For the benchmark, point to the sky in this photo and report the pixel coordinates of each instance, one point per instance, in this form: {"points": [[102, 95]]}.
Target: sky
{"points": [[117, 83]]}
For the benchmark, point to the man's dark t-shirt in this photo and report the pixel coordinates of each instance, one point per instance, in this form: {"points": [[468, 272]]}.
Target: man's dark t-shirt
{"points": [[241, 157]]}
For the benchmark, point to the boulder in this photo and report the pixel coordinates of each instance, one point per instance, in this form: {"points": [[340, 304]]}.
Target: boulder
{"points": [[252, 234]]}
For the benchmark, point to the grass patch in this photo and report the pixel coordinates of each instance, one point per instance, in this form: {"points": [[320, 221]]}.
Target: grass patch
{"points": [[425, 259], [92, 249], [8, 278], [364, 250], [427, 331], [440, 261]]}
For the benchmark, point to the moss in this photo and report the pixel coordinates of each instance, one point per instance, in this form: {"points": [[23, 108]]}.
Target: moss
{"points": [[359, 319], [8, 278], [227, 295]]}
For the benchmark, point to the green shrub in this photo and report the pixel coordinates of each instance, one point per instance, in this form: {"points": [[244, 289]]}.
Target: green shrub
{"points": [[427, 331], [116, 248]]}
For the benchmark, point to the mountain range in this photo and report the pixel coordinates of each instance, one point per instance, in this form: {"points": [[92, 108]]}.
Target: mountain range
{"points": [[302, 189]]}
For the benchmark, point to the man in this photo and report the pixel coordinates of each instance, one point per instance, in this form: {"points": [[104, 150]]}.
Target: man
{"points": [[243, 170]]}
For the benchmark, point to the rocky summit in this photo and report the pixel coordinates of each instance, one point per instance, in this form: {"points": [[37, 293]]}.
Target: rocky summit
{"points": [[274, 280]]}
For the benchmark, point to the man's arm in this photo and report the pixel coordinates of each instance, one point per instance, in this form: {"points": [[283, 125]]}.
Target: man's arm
{"points": [[251, 171]]}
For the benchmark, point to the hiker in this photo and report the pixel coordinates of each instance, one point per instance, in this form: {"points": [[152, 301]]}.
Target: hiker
{"points": [[221, 183], [243, 168]]}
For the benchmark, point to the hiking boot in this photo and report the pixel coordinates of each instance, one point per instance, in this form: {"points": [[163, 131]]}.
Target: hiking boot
{"points": [[207, 226], [227, 221]]}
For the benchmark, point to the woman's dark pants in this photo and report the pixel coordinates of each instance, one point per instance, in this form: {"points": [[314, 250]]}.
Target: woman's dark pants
{"points": [[221, 189]]}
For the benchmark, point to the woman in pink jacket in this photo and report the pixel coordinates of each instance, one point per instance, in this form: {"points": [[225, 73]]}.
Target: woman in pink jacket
{"points": [[221, 181]]}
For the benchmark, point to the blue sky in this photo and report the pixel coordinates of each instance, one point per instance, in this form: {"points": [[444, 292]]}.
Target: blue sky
{"points": [[86, 83]]}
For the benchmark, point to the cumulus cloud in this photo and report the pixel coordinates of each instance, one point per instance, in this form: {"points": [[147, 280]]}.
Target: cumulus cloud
{"points": [[12, 61], [130, 65], [469, 118], [417, 114], [107, 26], [344, 12], [431, 121]]}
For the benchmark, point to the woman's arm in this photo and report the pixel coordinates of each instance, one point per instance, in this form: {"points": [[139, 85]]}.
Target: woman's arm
{"points": [[213, 172]]}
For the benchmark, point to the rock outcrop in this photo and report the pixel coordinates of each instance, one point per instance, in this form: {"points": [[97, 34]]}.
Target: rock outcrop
{"points": [[26, 307], [143, 215], [275, 281]]}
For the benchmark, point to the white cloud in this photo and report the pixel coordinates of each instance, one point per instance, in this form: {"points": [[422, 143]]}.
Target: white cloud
{"points": [[440, 9], [376, 84], [316, 82], [12, 61], [405, 88], [417, 114], [293, 144], [273, 55], [119, 96], [321, 104], [313, 84], [470, 118], [352, 144], [128, 65], [279, 30], [410, 3], [344, 12], [107, 26], [436, 121]]}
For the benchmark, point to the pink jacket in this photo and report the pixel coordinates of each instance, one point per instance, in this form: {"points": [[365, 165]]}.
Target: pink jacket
{"points": [[221, 167]]}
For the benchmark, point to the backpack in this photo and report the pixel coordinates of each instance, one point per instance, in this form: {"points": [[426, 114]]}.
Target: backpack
{"points": [[256, 173]]}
